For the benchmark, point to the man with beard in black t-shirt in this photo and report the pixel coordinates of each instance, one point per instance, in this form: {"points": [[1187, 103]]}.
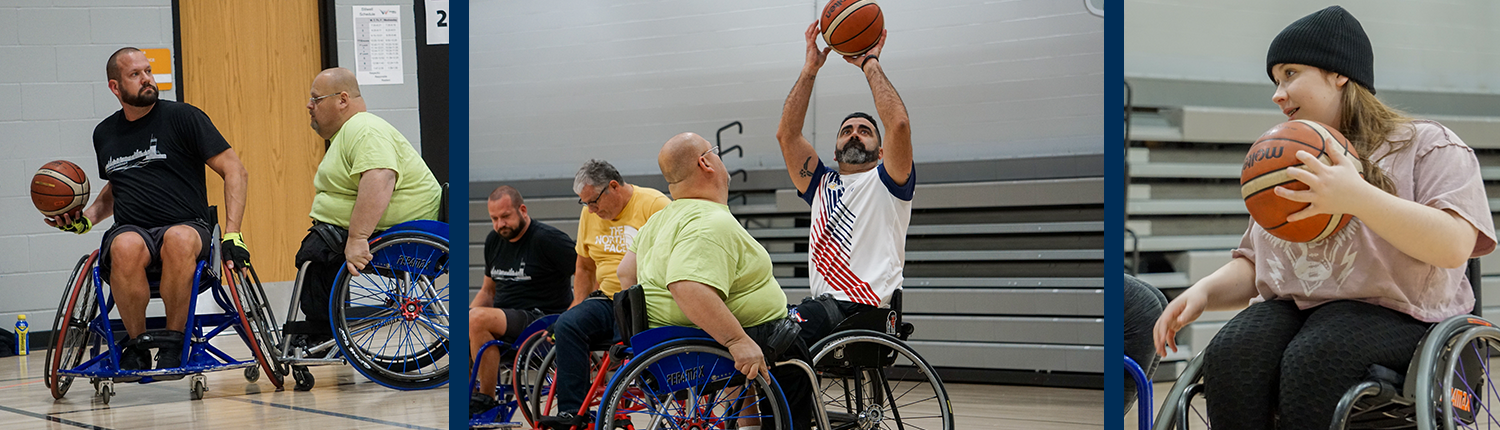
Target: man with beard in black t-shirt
{"points": [[152, 152], [527, 267]]}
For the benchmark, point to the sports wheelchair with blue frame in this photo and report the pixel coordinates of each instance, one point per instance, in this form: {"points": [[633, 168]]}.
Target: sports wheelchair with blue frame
{"points": [[84, 343], [1448, 384], [517, 386], [679, 377], [390, 320]]}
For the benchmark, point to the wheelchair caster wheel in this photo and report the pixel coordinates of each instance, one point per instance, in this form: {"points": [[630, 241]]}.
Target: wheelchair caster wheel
{"points": [[95, 382], [200, 385], [303, 377], [252, 373], [106, 389]]}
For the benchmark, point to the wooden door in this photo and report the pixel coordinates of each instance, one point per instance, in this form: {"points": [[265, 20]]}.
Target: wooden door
{"points": [[249, 66]]}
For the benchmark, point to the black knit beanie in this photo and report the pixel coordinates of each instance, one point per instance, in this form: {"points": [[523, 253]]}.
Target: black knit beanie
{"points": [[1329, 39]]}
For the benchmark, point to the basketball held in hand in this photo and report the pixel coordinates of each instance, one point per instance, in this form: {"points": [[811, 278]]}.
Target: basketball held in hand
{"points": [[851, 27], [59, 187], [1265, 169]]}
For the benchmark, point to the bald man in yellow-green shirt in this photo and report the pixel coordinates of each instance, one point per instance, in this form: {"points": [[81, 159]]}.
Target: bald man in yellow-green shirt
{"points": [[370, 179]]}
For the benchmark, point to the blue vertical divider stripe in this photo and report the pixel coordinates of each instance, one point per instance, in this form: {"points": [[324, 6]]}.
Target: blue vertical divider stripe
{"points": [[1114, 219], [458, 214]]}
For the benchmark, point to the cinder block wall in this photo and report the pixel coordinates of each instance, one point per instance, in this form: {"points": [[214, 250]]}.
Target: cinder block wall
{"points": [[53, 92]]}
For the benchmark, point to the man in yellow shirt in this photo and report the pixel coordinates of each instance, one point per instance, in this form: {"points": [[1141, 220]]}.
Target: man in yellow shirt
{"points": [[613, 212], [370, 179]]}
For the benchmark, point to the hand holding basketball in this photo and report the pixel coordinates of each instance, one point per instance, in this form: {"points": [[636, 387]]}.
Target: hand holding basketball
{"points": [[859, 60], [1335, 188], [815, 56]]}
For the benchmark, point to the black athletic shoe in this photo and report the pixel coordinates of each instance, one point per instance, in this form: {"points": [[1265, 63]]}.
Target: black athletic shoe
{"points": [[565, 421], [480, 403], [133, 356]]}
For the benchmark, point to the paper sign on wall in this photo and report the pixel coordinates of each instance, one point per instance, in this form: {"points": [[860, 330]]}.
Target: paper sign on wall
{"points": [[377, 45], [437, 22], [161, 67]]}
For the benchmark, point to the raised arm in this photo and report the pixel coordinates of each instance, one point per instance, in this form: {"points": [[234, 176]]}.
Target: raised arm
{"points": [[801, 159], [897, 141]]}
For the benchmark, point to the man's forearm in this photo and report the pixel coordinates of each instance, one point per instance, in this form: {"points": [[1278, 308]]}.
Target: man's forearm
{"points": [[375, 188], [794, 111], [236, 187], [888, 102]]}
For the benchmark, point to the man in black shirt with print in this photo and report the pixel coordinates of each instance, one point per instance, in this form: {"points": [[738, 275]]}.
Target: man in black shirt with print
{"points": [[528, 266], [152, 154]]}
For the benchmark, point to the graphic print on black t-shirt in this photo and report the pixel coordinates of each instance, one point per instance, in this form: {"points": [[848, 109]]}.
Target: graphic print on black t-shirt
{"points": [[155, 163], [532, 272]]}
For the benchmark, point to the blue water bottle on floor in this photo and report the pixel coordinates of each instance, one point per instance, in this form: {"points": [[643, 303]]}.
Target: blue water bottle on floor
{"points": [[21, 328]]}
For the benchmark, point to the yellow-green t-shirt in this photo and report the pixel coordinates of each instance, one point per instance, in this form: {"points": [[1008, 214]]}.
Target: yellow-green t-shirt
{"points": [[699, 240], [367, 142], [604, 241]]}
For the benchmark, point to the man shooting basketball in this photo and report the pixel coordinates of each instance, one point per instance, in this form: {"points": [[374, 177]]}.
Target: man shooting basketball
{"points": [[152, 152], [857, 242]]}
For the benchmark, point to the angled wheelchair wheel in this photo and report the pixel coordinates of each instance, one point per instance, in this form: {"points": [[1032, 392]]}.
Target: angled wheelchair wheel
{"points": [[687, 384], [72, 339], [872, 380], [391, 319], [531, 375], [262, 332], [1465, 396], [1185, 404]]}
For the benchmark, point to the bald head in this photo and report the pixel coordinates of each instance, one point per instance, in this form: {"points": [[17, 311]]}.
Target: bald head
{"points": [[337, 79], [679, 156]]}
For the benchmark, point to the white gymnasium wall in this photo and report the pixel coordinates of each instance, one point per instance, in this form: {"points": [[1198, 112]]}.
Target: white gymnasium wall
{"points": [[53, 92], [397, 104], [554, 83], [1446, 46]]}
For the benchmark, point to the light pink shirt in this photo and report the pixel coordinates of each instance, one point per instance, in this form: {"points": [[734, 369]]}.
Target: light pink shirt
{"points": [[1437, 170]]}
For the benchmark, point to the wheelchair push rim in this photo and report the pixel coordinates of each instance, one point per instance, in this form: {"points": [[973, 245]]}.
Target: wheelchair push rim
{"points": [[391, 320], [75, 313], [260, 329]]}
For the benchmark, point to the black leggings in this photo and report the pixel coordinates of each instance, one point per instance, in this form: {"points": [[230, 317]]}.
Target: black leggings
{"points": [[1275, 360]]}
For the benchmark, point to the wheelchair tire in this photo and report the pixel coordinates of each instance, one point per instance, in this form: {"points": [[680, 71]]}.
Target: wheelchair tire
{"points": [[899, 389], [1466, 397], [531, 375], [391, 321], [258, 326], [72, 337], [635, 397]]}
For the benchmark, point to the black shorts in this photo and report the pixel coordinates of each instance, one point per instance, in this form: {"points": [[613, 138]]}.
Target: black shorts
{"points": [[516, 320], [153, 238]]}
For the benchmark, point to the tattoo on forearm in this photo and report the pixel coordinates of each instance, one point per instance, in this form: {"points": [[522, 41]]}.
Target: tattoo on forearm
{"points": [[806, 173]]}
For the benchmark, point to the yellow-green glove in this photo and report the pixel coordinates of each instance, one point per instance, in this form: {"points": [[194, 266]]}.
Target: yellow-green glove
{"points": [[234, 250], [80, 226]]}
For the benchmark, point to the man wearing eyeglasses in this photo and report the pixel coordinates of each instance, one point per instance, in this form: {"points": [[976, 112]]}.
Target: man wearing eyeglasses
{"points": [[152, 154], [860, 212], [370, 179], [613, 211]]}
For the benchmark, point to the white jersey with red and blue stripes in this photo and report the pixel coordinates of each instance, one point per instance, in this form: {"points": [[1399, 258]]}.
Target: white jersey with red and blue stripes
{"points": [[857, 241]]}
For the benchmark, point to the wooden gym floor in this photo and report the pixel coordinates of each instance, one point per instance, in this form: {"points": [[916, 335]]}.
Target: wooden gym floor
{"points": [[341, 399]]}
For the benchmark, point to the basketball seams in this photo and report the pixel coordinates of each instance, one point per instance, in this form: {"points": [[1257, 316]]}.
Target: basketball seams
{"points": [[833, 24], [1272, 174]]}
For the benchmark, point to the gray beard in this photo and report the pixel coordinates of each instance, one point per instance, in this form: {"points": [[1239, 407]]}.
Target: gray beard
{"points": [[855, 153]]}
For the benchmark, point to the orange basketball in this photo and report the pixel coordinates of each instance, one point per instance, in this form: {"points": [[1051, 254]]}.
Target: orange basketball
{"points": [[59, 187], [851, 27], [1265, 169]]}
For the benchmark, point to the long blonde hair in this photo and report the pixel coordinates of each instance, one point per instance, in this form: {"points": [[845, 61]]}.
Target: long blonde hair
{"points": [[1368, 124]]}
